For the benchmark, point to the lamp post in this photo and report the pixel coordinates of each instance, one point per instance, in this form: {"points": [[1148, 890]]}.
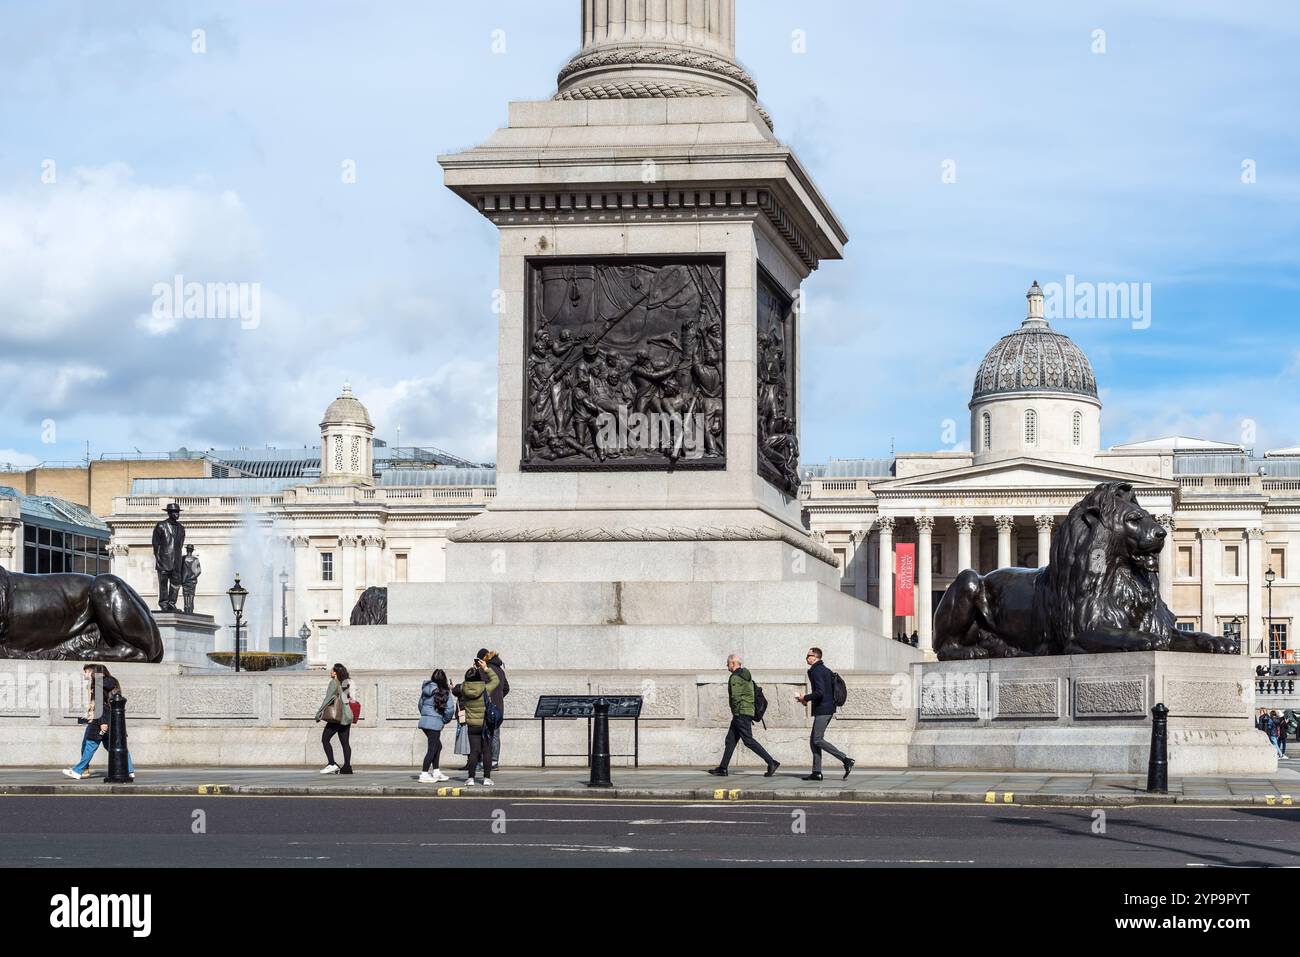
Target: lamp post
{"points": [[238, 593], [284, 611], [1269, 577], [1236, 632], [305, 634]]}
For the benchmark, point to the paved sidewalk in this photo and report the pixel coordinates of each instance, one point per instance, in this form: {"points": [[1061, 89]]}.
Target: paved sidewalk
{"points": [[880, 785]]}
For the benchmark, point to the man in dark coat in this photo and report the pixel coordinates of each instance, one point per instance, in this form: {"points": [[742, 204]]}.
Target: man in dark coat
{"points": [[494, 662], [822, 699], [169, 557]]}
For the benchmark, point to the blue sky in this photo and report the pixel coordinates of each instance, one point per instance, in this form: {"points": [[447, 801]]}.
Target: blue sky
{"points": [[1122, 166]]}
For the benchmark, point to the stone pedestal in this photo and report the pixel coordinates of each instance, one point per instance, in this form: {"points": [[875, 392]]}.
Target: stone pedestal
{"points": [[187, 639], [1088, 713]]}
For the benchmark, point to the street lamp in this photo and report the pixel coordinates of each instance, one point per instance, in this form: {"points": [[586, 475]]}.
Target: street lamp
{"points": [[1236, 631], [238, 593], [304, 633], [284, 611], [1269, 577]]}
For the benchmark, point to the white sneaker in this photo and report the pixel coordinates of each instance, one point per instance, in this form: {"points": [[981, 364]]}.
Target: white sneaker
{"points": [[487, 783], [69, 773], [469, 782], [332, 769], [427, 778]]}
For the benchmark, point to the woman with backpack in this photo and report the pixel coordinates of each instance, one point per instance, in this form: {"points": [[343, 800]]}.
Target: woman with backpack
{"points": [[474, 695], [103, 688], [437, 710], [336, 712]]}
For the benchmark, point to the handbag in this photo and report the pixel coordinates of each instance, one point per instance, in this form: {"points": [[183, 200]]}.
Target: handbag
{"points": [[462, 739], [355, 706]]}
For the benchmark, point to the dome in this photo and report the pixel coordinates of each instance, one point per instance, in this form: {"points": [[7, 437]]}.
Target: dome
{"points": [[1035, 358], [346, 410]]}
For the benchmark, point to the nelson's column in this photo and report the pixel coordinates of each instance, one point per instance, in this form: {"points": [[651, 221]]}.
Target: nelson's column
{"points": [[654, 233]]}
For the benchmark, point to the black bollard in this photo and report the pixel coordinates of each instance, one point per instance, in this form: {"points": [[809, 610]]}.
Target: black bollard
{"points": [[117, 759], [1158, 766], [600, 747]]}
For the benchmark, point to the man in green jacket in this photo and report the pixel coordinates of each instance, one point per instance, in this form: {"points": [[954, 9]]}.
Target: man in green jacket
{"points": [[740, 694]]}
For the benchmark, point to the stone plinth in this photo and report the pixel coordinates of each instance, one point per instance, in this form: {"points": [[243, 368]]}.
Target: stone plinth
{"points": [[187, 639], [1087, 713]]}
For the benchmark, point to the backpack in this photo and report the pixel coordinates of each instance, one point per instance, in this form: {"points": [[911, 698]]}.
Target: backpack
{"points": [[492, 716], [839, 690], [760, 702]]}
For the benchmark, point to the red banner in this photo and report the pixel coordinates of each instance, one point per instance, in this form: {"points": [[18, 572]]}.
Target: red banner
{"points": [[904, 579]]}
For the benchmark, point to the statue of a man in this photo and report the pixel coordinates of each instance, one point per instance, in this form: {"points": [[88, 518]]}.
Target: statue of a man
{"points": [[191, 570], [169, 557]]}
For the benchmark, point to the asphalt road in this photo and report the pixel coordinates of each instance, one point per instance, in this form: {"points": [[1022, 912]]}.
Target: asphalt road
{"points": [[110, 831]]}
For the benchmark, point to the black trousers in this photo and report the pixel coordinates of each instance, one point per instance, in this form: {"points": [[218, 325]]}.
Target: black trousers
{"points": [[476, 752], [434, 751], [742, 730], [341, 730]]}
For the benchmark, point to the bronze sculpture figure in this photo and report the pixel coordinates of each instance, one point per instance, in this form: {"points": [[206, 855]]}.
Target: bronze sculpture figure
{"points": [[71, 617], [1100, 593], [190, 572], [169, 557]]}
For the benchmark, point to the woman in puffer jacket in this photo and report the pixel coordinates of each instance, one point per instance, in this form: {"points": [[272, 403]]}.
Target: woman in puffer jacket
{"points": [[473, 695], [437, 710]]}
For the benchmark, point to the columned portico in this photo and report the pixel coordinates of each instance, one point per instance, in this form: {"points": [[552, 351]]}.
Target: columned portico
{"points": [[1255, 631], [925, 585]]}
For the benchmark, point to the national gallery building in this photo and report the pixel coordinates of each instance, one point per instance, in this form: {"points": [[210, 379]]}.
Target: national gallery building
{"points": [[310, 529]]}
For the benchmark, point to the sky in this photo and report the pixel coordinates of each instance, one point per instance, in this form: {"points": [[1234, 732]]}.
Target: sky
{"points": [[968, 149]]}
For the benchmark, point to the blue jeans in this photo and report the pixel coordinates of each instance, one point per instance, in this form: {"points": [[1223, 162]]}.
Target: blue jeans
{"points": [[89, 745]]}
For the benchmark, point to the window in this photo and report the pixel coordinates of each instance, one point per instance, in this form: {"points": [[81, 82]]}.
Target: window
{"points": [[1277, 639], [1078, 429], [327, 566], [936, 558], [1186, 624], [401, 566], [1232, 561], [1183, 568], [988, 431], [1277, 560], [1031, 427]]}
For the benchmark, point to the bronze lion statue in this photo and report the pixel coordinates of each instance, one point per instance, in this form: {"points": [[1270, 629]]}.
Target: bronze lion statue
{"points": [[70, 617], [1100, 593]]}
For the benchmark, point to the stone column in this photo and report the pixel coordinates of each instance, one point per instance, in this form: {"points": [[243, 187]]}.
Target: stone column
{"points": [[1255, 631], [704, 24], [856, 540], [347, 576], [1210, 559], [374, 566], [925, 585], [1044, 524], [1005, 524], [964, 525], [885, 526], [302, 577], [1167, 555], [119, 566]]}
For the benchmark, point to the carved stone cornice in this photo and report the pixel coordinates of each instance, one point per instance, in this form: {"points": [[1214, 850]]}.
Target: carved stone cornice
{"points": [[1208, 534], [964, 523], [118, 550], [924, 523], [1044, 523], [885, 525], [1167, 522], [1004, 523], [657, 533], [1254, 534], [650, 56]]}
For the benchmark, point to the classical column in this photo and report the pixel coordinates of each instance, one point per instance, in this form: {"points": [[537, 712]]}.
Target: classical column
{"points": [[964, 525], [925, 585], [1005, 524], [1254, 633], [347, 575], [302, 577], [1044, 524], [1210, 559], [1167, 555], [885, 526], [118, 552], [856, 538], [374, 549]]}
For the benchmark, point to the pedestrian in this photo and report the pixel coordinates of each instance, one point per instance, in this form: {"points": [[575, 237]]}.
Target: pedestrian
{"points": [[1271, 722], [336, 712], [741, 695], [494, 662], [821, 681], [1279, 723], [437, 710], [101, 689], [474, 694]]}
